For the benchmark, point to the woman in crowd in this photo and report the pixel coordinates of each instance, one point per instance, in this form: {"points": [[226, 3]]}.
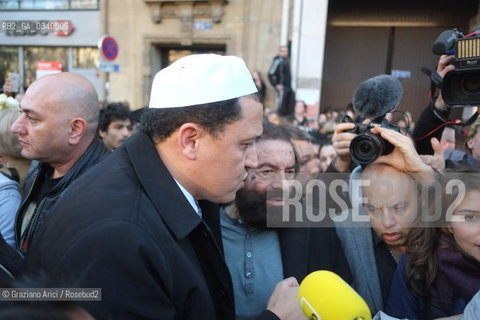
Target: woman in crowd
{"points": [[326, 154], [12, 162], [299, 116], [440, 273], [13, 168]]}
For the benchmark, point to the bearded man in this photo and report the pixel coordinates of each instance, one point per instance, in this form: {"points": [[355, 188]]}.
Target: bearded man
{"points": [[259, 256]]}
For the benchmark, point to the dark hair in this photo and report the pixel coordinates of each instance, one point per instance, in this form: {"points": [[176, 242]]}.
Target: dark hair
{"points": [[112, 112], [273, 132], [298, 134], [324, 143], [159, 124], [421, 266], [303, 102]]}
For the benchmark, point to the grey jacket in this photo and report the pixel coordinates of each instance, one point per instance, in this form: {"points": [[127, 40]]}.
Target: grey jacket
{"points": [[357, 243]]}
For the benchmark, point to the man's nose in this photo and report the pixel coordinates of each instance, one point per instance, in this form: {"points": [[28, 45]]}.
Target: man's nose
{"points": [[18, 126], [387, 218], [125, 132], [251, 159], [280, 181]]}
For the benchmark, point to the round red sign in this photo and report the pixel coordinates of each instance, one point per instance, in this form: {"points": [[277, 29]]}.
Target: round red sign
{"points": [[109, 48]]}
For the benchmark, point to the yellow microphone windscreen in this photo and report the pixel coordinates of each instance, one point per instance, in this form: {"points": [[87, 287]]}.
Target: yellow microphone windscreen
{"points": [[323, 295]]}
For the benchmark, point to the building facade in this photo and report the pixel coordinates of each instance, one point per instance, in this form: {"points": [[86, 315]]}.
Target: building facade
{"points": [[334, 45], [38, 37]]}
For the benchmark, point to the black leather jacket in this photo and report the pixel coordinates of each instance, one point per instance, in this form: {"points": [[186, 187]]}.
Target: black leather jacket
{"points": [[94, 153]]}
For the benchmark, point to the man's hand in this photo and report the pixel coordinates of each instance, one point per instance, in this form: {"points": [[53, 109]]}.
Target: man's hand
{"points": [[404, 157], [444, 65], [341, 143], [284, 300], [437, 161], [7, 87]]}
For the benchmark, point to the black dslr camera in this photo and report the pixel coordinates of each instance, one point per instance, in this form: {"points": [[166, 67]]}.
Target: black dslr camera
{"points": [[366, 147], [462, 85]]}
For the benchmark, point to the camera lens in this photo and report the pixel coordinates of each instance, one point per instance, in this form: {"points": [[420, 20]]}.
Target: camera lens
{"points": [[365, 148], [470, 84]]}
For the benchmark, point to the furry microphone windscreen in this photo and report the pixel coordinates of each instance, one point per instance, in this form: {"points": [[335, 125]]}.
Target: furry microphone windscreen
{"points": [[377, 96]]}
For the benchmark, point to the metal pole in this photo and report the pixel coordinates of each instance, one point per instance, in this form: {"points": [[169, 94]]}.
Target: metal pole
{"points": [[21, 69], [107, 86]]}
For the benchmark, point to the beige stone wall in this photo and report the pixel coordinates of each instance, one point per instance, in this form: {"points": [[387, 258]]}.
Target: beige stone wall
{"points": [[249, 28]]}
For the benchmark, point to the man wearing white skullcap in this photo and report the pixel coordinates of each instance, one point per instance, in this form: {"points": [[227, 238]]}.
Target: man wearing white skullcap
{"points": [[143, 225]]}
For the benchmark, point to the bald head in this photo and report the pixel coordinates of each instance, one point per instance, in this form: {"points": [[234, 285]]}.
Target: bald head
{"points": [[59, 120], [386, 181], [71, 95], [393, 203], [380, 170]]}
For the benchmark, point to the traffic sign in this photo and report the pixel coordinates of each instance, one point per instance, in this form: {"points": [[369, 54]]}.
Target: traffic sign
{"points": [[108, 47], [108, 66]]}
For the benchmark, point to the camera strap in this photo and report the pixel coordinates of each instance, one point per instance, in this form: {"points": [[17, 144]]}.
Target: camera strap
{"points": [[436, 79], [452, 123]]}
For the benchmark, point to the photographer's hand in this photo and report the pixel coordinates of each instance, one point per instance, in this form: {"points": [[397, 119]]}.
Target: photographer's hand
{"points": [[341, 143], [404, 157], [444, 65], [437, 161]]}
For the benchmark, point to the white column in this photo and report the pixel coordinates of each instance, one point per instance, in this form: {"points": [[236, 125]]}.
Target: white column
{"points": [[285, 22], [309, 30], [294, 54]]}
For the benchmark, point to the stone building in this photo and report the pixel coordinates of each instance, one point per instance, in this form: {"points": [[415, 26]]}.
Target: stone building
{"points": [[335, 44]]}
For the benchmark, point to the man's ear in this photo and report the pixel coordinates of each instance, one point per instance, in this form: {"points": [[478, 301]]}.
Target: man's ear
{"points": [[470, 143], [77, 129], [189, 135], [102, 134]]}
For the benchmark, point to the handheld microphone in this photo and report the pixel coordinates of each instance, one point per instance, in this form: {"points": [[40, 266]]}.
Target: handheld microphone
{"points": [[324, 295], [376, 96], [445, 41]]}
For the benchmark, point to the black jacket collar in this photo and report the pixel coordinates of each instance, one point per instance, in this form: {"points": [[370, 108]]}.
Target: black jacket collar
{"points": [[160, 186]]}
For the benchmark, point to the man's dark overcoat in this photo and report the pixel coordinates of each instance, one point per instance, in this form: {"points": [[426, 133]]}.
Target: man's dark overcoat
{"points": [[126, 227]]}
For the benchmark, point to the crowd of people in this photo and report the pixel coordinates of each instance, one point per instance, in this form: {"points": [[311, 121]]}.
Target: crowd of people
{"points": [[178, 215]]}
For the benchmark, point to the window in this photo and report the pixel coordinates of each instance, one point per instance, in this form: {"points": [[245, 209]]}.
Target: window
{"points": [[85, 58], [84, 4], [43, 4], [75, 59], [34, 54], [8, 62], [49, 4]]}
